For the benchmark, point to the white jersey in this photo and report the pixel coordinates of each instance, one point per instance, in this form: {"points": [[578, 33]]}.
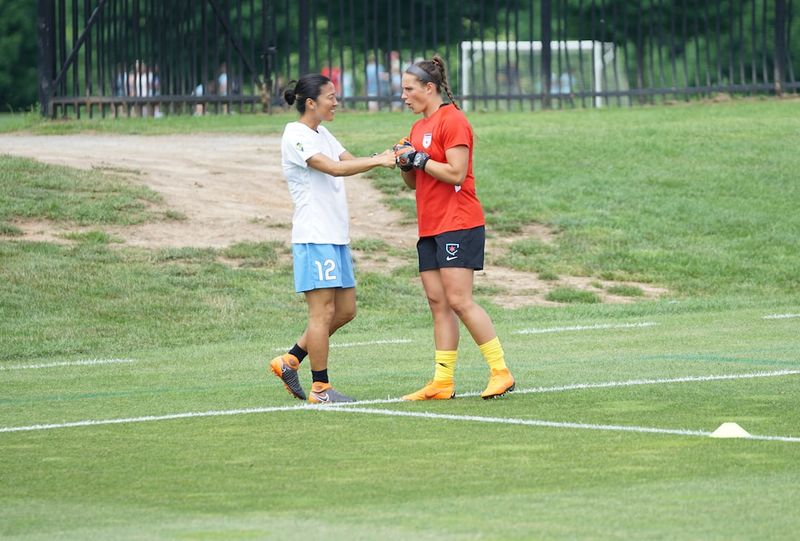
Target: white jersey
{"points": [[320, 201]]}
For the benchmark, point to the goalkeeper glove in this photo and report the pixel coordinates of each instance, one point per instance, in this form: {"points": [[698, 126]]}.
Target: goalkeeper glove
{"points": [[407, 157], [404, 154], [420, 160]]}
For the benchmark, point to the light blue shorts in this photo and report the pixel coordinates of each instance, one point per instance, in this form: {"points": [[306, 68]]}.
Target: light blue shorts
{"points": [[319, 266]]}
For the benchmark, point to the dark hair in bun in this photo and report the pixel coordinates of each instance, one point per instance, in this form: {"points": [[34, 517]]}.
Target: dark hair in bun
{"points": [[299, 91]]}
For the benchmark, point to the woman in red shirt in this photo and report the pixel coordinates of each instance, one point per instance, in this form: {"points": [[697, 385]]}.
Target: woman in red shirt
{"points": [[436, 161]]}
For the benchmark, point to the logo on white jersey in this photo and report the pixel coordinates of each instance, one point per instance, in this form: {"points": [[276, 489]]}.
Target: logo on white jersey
{"points": [[426, 140]]}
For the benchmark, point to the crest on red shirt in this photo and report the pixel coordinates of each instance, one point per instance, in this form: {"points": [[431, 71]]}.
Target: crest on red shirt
{"points": [[426, 140]]}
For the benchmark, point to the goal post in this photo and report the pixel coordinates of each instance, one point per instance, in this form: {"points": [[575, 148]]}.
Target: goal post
{"points": [[514, 68]]}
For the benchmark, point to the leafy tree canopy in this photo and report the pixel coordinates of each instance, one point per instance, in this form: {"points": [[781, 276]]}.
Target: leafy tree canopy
{"points": [[18, 54]]}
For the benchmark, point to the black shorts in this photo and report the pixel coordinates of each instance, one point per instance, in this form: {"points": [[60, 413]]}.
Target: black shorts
{"points": [[461, 249]]}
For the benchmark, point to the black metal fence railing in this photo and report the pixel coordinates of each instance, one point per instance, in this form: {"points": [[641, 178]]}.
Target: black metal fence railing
{"points": [[157, 57]]}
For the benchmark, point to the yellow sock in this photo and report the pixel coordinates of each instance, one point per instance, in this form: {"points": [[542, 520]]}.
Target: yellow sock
{"points": [[493, 353], [445, 365]]}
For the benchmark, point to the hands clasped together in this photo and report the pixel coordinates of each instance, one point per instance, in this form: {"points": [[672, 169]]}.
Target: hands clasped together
{"points": [[407, 157]]}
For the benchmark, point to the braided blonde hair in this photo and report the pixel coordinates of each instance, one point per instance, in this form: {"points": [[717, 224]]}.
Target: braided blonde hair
{"points": [[437, 72]]}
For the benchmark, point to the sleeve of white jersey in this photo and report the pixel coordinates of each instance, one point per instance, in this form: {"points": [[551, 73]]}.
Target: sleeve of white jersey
{"points": [[300, 146]]}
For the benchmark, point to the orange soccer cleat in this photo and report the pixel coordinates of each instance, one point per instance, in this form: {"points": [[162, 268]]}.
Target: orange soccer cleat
{"points": [[500, 383], [285, 367], [323, 393], [434, 390]]}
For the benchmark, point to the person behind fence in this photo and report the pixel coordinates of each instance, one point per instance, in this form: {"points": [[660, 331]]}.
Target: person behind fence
{"points": [[335, 75], [140, 85], [156, 91], [201, 90], [347, 84], [436, 162], [377, 81], [222, 83], [395, 80], [567, 81], [120, 84], [119, 87], [314, 163], [137, 86]]}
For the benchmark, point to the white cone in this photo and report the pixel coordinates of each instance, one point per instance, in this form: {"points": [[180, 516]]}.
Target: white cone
{"points": [[730, 430]]}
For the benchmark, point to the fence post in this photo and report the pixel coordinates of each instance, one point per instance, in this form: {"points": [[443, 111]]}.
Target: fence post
{"points": [[780, 45], [303, 46], [45, 25], [546, 52]]}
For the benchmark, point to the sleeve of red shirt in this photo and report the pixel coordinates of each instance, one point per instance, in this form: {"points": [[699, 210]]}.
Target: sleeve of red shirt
{"points": [[456, 131]]}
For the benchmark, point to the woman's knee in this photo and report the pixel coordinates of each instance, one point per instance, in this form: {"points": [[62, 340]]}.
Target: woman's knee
{"points": [[323, 313], [437, 302], [346, 315], [461, 304]]}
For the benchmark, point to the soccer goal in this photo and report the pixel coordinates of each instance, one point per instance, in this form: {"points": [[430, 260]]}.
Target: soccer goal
{"points": [[514, 68]]}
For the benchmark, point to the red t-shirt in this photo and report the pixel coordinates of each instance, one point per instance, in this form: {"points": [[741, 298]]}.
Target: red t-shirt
{"points": [[442, 207]]}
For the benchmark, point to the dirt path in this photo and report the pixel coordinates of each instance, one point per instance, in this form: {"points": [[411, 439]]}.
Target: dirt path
{"points": [[231, 189]]}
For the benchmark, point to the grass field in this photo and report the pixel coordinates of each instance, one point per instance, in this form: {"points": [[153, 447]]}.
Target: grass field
{"points": [[134, 404]]}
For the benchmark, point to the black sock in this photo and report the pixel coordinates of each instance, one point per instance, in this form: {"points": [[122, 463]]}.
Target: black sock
{"points": [[319, 376], [298, 352]]}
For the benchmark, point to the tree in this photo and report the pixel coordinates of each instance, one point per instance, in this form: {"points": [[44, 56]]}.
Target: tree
{"points": [[18, 54]]}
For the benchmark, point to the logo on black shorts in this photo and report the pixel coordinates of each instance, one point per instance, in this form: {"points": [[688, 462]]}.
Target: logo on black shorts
{"points": [[452, 250]]}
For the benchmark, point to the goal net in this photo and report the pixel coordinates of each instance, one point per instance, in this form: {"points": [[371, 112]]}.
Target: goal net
{"points": [[491, 72]]}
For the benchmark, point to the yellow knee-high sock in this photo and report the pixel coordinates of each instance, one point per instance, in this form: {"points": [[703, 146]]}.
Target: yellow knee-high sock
{"points": [[445, 365], [493, 353]]}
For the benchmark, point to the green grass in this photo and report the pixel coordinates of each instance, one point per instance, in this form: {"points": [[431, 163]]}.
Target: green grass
{"points": [[92, 237], [626, 291], [31, 190], [361, 476], [569, 294], [697, 199], [671, 195], [255, 254], [8, 230]]}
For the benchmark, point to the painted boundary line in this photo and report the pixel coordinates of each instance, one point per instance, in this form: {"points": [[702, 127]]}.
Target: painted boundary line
{"points": [[523, 331], [606, 385], [150, 418], [781, 316], [660, 381], [356, 344], [358, 405], [549, 424], [599, 326], [88, 362]]}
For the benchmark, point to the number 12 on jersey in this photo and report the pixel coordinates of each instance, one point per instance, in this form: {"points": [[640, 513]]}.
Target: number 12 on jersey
{"points": [[325, 269]]}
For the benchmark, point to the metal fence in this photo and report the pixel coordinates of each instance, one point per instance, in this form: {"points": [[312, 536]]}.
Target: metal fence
{"points": [[157, 57]]}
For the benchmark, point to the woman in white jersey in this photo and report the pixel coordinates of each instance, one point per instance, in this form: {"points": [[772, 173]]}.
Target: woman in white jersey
{"points": [[313, 164]]}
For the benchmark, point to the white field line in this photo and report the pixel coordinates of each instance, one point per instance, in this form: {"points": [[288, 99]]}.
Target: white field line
{"points": [[781, 316], [548, 424], [372, 343], [88, 362], [599, 326], [606, 385], [356, 344], [660, 381], [359, 404], [150, 418]]}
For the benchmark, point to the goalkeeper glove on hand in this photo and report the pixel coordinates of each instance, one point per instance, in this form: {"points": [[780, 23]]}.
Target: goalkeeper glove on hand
{"points": [[404, 142], [404, 153], [420, 160]]}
